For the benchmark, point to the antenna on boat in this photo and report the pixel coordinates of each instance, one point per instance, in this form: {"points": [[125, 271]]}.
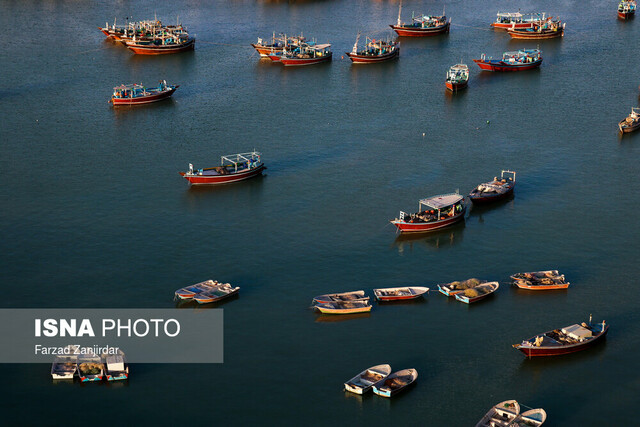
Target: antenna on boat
{"points": [[590, 316]]}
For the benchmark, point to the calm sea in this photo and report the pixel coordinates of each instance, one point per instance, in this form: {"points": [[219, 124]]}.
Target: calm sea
{"points": [[94, 214]]}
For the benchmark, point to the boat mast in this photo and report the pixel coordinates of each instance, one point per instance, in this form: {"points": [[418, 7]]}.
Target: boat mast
{"points": [[399, 12], [355, 45]]}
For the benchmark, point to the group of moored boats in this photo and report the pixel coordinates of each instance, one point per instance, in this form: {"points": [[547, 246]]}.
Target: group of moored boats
{"points": [[358, 302], [207, 292], [88, 366], [380, 379], [507, 414], [150, 37]]}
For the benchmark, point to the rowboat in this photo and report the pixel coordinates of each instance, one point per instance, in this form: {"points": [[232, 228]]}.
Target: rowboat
{"points": [[216, 293], [342, 297], [632, 122], [350, 307], [440, 211], [501, 414], [421, 25], [233, 168], [506, 20], [477, 293], [548, 29], [277, 44], [365, 380], [135, 94], [626, 9], [524, 59], [569, 339], [495, 190], [116, 366], [453, 288], [530, 418], [396, 382], [304, 54], [457, 77], [398, 294], [65, 366], [374, 51], [90, 366], [540, 280], [161, 45], [190, 291]]}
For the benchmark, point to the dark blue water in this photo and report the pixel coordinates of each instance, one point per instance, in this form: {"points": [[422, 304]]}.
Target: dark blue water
{"points": [[94, 213]]}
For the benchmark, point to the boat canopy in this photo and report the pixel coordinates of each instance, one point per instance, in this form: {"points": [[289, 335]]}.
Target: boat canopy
{"points": [[510, 14], [235, 159], [442, 201], [321, 46], [459, 67]]}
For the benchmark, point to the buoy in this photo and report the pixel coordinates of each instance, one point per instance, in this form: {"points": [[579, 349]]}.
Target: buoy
{"points": [[423, 134], [487, 121]]}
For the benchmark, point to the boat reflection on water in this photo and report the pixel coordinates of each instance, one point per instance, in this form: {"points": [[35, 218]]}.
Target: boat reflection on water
{"points": [[479, 210], [438, 239], [322, 318]]}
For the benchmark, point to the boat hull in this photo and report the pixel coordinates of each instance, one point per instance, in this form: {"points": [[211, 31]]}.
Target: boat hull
{"points": [[264, 51], [161, 50], [297, 62], [525, 34], [455, 87], [143, 99], [626, 128], [559, 351], [541, 287], [626, 15], [368, 59], [479, 199], [502, 66], [222, 179], [420, 227], [506, 26], [200, 299], [404, 31], [326, 310]]}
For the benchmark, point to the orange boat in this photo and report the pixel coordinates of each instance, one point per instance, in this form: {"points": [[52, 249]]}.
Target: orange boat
{"points": [[540, 280]]}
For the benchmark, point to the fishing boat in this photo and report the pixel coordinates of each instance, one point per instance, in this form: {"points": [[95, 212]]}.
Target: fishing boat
{"points": [[365, 380], [421, 25], [304, 54], [523, 59], [477, 293], [374, 51], [135, 94], [216, 293], [495, 190], [65, 366], [396, 382], [530, 418], [116, 366], [626, 9], [439, 211], [632, 122], [190, 291], [547, 29], [540, 280], [506, 20], [457, 77], [399, 294], [564, 340], [342, 297], [453, 288], [501, 414], [345, 307], [162, 44], [233, 168], [90, 366], [277, 44]]}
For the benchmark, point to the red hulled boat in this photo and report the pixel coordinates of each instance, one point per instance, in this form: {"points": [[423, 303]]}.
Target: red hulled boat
{"points": [[277, 44], [440, 211], [495, 190], [137, 94], [421, 25], [305, 54], [161, 45], [457, 77], [548, 29], [626, 9], [374, 51], [566, 340], [506, 20], [234, 167], [524, 59], [400, 294]]}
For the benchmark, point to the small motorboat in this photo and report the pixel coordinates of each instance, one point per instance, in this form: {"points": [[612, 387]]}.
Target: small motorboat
{"points": [[398, 294], [457, 77], [374, 51], [136, 94], [342, 297], [233, 168], [626, 9], [190, 291], [65, 366], [365, 380], [524, 59], [564, 340], [453, 288], [540, 280], [495, 190], [477, 293], [530, 418], [116, 366], [90, 366], [216, 293], [501, 414], [632, 122], [349, 307], [439, 211], [396, 382]]}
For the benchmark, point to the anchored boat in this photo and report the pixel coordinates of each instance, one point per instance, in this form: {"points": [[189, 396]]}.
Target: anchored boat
{"points": [[495, 190], [165, 43], [342, 297], [90, 366], [216, 293], [501, 414], [453, 288], [457, 77], [234, 167], [346, 307], [396, 382], [365, 380], [304, 54], [277, 44], [65, 366], [530, 418], [116, 366], [626, 9], [540, 280], [524, 59], [135, 94], [547, 29], [632, 122], [506, 20], [374, 51], [400, 294], [421, 25], [477, 293], [190, 291], [439, 211]]}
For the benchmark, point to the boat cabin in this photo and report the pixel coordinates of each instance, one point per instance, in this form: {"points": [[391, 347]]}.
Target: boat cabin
{"points": [[436, 208], [231, 164]]}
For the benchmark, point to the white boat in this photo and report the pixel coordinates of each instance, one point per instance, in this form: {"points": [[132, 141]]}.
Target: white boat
{"points": [[399, 294], [396, 382], [64, 366], [216, 293], [116, 366], [365, 380], [346, 307], [342, 297], [530, 418], [501, 415]]}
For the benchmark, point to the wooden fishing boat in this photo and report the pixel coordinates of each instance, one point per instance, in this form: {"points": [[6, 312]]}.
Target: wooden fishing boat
{"points": [[530, 418], [342, 297], [90, 366], [374, 51], [190, 291], [396, 382], [540, 280], [399, 294], [216, 293], [524, 59], [277, 44], [65, 366], [457, 77], [501, 414], [564, 340], [477, 293], [345, 307], [305, 54], [547, 29], [495, 190], [233, 168], [453, 288], [632, 122], [506, 20], [135, 94], [626, 9], [161, 45], [421, 25], [116, 366], [365, 380], [440, 211]]}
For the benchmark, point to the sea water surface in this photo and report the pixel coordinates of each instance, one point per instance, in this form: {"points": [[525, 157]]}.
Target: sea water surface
{"points": [[94, 213]]}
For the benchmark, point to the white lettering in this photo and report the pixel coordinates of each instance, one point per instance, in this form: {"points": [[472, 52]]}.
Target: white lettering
{"points": [[135, 327], [166, 328]]}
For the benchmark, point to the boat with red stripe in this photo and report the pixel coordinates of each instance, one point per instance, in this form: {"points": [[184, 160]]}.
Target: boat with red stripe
{"points": [[135, 94], [421, 25], [233, 168], [506, 20], [433, 213], [374, 51], [523, 59]]}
